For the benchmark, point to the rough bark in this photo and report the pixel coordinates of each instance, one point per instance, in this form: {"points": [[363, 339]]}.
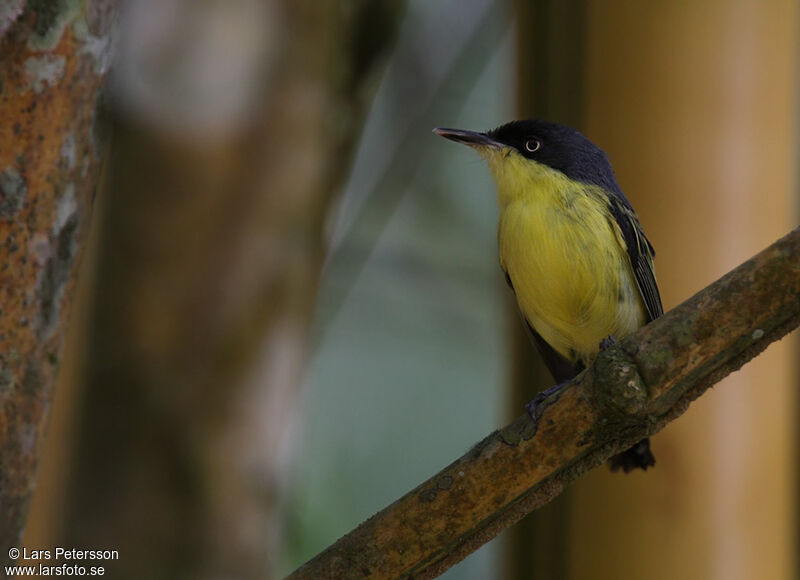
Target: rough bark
{"points": [[207, 278], [53, 57], [632, 390]]}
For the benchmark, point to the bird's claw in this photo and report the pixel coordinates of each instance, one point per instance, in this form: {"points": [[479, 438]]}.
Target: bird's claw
{"points": [[607, 342], [533, 405]]}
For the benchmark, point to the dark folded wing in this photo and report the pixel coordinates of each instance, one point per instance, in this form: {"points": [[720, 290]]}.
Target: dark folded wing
{"points": [[561, 369], [640, 253]]}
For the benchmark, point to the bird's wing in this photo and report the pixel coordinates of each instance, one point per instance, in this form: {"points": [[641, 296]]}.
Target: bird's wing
{"points": [[640, 253], [561, 369]]}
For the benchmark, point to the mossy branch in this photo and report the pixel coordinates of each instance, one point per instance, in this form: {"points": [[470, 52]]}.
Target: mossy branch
{"points": [[632, 390]]}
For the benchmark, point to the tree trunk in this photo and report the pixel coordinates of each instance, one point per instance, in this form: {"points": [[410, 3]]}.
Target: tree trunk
{"points": [[549, 86], [53, 57], [703, 138], [206, 283]]}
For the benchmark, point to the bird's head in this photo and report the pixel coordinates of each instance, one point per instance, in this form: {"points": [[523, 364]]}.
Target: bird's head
{"points": [[522, 151]]}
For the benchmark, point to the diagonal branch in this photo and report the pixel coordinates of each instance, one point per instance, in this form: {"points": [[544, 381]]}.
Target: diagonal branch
{"points": [[632, 390]]}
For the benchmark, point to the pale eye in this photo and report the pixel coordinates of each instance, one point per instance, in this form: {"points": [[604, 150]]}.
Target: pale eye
{"points": [[533, 145]]}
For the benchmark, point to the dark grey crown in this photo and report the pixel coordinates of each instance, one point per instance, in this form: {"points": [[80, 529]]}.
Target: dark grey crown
{"points": [[562, 148]]}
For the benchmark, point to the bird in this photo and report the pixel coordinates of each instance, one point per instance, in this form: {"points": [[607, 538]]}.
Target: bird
{"points": [[571, 248]]}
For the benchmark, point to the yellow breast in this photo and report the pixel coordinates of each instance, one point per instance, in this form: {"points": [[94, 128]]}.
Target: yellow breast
{"points": [[566, 260]]}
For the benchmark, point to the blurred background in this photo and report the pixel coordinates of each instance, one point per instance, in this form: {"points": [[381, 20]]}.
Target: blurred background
{"points": [[291, 311]]}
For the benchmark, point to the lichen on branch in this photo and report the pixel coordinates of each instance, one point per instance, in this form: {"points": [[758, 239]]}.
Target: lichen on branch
{"points": [[49, 165]]}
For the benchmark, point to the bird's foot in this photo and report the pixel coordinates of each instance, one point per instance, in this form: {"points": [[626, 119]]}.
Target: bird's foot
{"points": [[533, 407], [637, 457], [607, 342]]}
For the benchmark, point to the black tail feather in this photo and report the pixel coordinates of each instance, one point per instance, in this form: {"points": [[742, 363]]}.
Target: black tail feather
{"points": [[639, 456]]}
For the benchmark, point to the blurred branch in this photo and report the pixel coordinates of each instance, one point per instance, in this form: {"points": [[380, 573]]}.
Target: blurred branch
{"points": [[632, 390], [53, 60], [356, 246]]}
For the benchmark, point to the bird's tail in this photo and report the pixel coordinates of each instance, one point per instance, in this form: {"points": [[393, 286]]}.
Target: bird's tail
{"points": [[638, 456]]}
